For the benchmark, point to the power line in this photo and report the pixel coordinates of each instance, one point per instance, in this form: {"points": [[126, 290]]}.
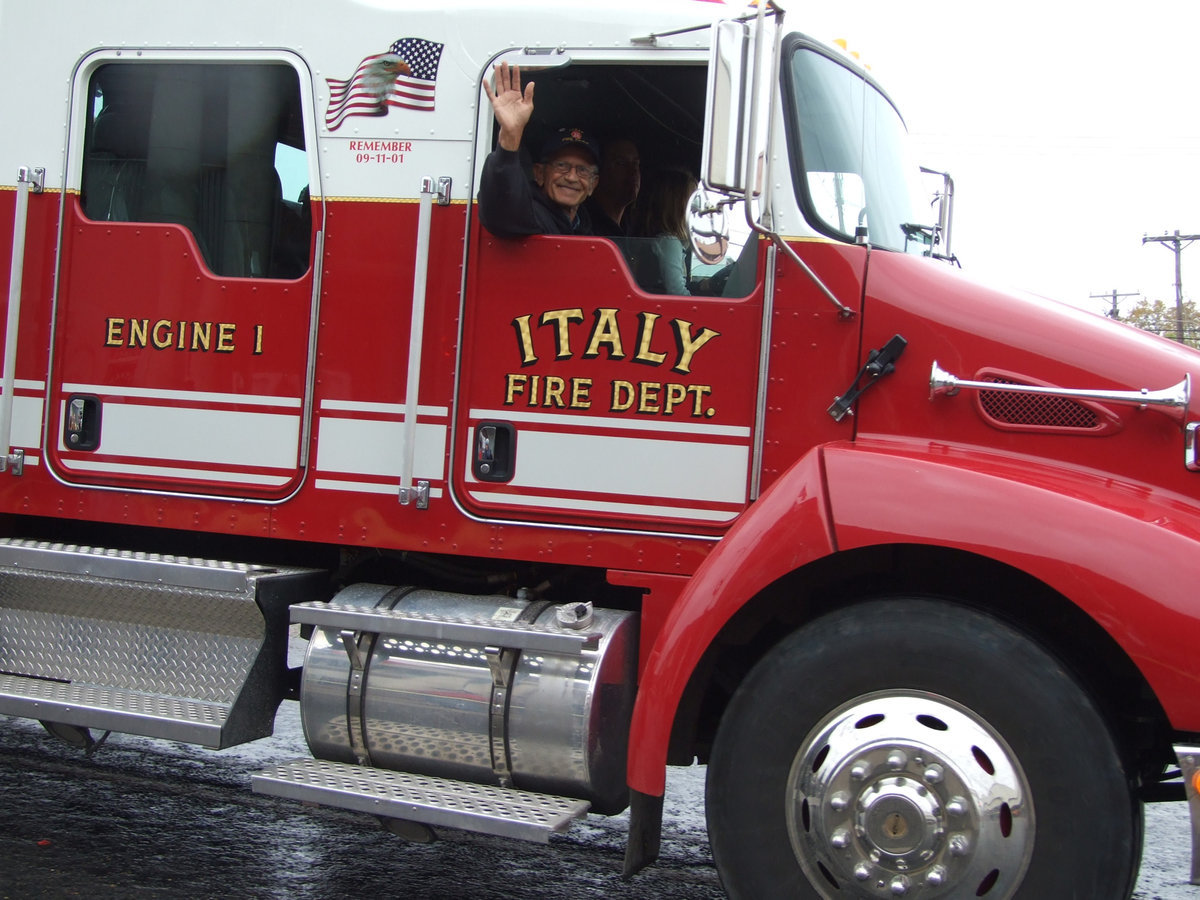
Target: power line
{"points": [[1113, 313], [1178, 242]]}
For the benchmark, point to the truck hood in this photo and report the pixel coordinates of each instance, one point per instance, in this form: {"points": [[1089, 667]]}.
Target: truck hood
{"points": [[968, 326]]}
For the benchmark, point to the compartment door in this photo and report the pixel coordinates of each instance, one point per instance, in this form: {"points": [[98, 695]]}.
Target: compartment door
{"points": [[184, 308]]}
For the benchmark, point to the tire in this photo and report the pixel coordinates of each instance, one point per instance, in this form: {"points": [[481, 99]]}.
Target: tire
{"points": [[910, 747]]}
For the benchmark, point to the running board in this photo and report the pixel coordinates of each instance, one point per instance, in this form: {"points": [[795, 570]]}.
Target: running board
{"points": [[439, 802], [185, 649]]}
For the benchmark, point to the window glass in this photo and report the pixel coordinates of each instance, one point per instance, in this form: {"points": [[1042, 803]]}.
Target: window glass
{"points": [[216, 148], [856, 171], [653, 114]]}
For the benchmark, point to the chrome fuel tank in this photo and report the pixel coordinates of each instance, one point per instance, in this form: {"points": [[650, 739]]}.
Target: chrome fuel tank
{"points": [[482, 712]]}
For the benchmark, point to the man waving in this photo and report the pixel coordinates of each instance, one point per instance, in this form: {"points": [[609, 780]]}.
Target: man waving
{"points": [[564, 175]]}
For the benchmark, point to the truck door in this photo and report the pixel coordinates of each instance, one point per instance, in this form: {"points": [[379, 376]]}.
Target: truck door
{"points": [[180, 356], [588, 393]]}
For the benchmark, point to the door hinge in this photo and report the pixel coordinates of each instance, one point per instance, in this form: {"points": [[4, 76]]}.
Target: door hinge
{"points": [[34, 176], [418, 494]]}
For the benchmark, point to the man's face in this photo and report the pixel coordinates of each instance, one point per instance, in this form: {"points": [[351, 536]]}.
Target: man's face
{"points": [[567, 179], [621, 173]]}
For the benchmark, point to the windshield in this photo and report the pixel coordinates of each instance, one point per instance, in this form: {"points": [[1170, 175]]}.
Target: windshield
{"points": [[853, 170]]}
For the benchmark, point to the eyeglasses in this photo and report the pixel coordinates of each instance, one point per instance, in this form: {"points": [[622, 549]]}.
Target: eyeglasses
{"points": [[562, 167]]}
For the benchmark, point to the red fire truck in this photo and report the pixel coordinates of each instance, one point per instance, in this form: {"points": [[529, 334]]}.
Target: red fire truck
{"points": [[905, 560]]}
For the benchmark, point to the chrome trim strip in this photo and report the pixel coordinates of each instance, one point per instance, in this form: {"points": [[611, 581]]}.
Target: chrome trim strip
{"points": [[416, 336], [764, 366], [28, 180], [310, 375]]}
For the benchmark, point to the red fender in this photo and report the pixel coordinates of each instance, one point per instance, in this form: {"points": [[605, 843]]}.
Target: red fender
{"points": [[787, 527], [1099, 543], [1126, 553]]}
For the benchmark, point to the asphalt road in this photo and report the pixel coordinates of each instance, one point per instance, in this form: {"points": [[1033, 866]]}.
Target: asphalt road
{"points": [[151, 819]]}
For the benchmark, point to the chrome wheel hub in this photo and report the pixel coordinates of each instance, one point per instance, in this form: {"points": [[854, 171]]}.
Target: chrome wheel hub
{"points": [[907, 794]]}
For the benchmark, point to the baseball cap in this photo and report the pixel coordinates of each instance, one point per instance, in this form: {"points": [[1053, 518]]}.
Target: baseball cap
{"points": [[569, 138]]}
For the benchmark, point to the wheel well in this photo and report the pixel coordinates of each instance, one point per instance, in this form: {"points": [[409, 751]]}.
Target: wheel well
{"points": [[1136, 719]]}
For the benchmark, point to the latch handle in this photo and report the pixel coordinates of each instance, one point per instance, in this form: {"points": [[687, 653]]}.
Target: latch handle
{"points": [[879, 363]]}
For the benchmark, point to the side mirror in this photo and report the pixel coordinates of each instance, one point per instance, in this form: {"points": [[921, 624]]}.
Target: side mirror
{"points": [[708, 227], [944, 199], [725, 124]]}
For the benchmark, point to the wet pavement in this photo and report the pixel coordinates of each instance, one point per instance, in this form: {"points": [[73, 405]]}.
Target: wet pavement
{"points": [[151, 819]]}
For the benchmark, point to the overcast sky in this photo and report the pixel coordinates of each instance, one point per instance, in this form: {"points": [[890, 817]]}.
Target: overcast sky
{"points": [[1072, 129]]}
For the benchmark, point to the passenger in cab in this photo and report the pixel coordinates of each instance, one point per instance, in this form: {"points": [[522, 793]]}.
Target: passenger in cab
{"points": [[662, 218], [564, 176], [620, 181]]}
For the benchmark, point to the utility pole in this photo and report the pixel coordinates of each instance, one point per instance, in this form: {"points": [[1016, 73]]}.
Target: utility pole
{"points": [[1178, 242], [1113, 313]]}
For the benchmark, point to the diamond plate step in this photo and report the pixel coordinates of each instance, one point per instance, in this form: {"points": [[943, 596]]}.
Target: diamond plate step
{"points": [[420, 798], [171, 647], [92, 706], [518, 635]]}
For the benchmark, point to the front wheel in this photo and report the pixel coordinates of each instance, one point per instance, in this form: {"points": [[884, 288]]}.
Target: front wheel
{"points": [[913, 748]]}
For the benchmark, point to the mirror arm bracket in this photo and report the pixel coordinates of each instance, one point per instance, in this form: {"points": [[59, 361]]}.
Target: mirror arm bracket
{"points": [[844, 311]]}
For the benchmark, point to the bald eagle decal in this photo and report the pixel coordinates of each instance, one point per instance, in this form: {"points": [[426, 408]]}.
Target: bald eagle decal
{"points": [[404, 76]]}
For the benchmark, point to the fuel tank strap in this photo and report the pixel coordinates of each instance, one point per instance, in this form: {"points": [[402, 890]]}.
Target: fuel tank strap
{"points": [[360, 650], [502, 663]]}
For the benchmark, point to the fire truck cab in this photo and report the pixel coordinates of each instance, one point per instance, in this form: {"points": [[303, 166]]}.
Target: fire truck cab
{"points": [[904, 559]]}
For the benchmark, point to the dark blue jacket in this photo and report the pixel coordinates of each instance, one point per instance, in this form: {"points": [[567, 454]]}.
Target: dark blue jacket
{"points": [[510, 205]]}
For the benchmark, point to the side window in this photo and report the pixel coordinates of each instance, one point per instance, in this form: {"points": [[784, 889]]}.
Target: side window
{"points": [[216, 148], [648, 120]]}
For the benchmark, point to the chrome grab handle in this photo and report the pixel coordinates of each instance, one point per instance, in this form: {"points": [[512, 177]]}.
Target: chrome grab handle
{"points": [[1174, 399]]}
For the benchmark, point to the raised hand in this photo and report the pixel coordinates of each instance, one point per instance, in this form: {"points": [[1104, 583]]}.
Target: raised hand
{"points": [[511, 107]]}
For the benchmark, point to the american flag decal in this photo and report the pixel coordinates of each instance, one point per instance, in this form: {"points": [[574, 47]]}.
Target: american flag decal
{"points": [[405, 76]]}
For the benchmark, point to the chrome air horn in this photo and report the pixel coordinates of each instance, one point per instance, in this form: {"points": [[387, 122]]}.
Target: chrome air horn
{"points": [[1175, 398]]}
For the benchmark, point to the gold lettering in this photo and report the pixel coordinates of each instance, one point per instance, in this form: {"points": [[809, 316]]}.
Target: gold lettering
{"points": [[648, 396], [580, 388], [182, 336], [535, 388], [161, 335], [137, 332], [687, 345], [201, 335], [258, 331], [516, 385], [676, 394], [524, 340], [562, 335], [113, 332], [225, 332], [622, 396], [605, 331], [554, 391], [645, 333], [699, 390]]}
